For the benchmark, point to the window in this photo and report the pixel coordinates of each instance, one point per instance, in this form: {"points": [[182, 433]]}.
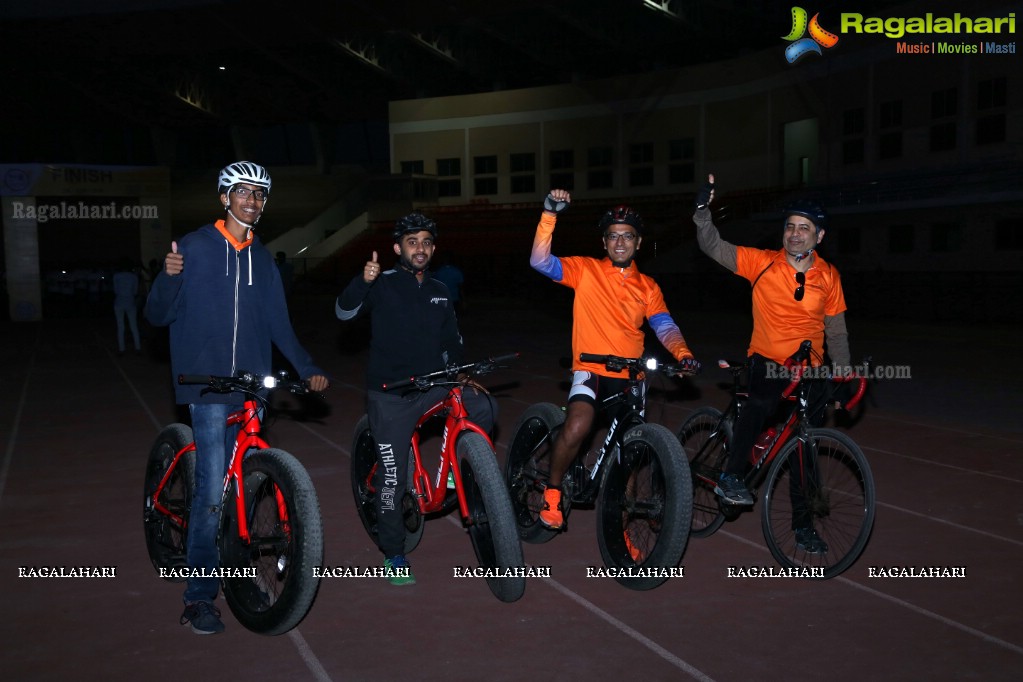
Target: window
{"points": [[943, 136], [854, 127], [600, 179], [991, 129], [522, 167], [681, 156], [641, 177], [900, 239], [525, 184], [484, 186], [600, 156], [452, 186], [1009, 234], [946, 237], [891, 114], [412, 167], [563, 180], [522, 163], [449, 167], [641, 153], [853, 121], [852, 151], [991, 97], [484, 164], [449, 188], [562, 159], [991, 94], [944, 103]]}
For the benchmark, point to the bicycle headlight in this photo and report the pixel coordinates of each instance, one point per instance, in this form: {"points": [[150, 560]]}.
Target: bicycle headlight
{"points": [[651, 363], [269, 382]]}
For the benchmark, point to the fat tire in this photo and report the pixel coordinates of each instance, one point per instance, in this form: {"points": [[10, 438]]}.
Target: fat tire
{"points": [[706, 461], [364, 456], [165, 538], [527, 469], [283, 591], [491, 522], [842, 506], [648, 492]]}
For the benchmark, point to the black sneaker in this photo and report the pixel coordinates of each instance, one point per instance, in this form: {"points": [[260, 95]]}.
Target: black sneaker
{"points": [[808, 541], [733, 491], [204, 617]]}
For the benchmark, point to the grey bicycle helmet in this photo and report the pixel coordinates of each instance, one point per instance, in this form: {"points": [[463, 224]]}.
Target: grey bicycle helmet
{"points": [[414, 222]]}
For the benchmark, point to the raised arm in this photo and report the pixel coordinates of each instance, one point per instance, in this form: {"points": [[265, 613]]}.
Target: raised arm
{"points": [[540, 258], [707, 235]]}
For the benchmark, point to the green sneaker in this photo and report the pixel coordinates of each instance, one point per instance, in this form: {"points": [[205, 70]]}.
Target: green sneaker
{"points": [[399, 571], [451, 480]]}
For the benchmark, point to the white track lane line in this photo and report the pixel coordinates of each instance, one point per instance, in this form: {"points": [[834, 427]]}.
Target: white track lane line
{"points": [[579, 599], [991, 639]]}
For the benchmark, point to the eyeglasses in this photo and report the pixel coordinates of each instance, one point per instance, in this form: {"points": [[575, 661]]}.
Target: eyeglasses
{"points": [[615, 236], [258, 194], [800, 280]]}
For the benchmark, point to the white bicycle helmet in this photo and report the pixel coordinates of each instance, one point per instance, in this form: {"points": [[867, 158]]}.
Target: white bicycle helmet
{"points": [[243, 171]]}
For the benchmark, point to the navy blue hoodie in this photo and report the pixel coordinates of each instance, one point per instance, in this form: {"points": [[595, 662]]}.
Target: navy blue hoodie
{"points": [[224, 310]]}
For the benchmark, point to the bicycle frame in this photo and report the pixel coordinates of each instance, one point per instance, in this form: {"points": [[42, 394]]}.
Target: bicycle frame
{"points": [[430, 495], [634, 397], [795, 425], [248, 437]]}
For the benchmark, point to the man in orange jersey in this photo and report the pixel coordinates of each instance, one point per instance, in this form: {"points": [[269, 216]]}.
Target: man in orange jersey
{"points": [[796, 296], [612, 298]]}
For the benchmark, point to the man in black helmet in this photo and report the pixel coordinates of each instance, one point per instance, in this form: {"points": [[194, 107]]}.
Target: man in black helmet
{"points": [[796, 296], [612, 299], [413, 332]]}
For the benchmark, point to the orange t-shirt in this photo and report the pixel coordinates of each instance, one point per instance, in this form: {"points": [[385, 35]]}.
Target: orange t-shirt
{"points": [[780, 322], [610, 305]]}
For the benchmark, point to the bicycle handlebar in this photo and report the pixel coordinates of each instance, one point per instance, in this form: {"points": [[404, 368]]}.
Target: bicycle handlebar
{"points": [[245, 382], [616, 363], [425, 381], [795, 364]]}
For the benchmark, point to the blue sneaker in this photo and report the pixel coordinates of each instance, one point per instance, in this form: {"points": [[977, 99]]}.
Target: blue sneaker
{"points": [[204, 617], [399, 571], [731, 488]]}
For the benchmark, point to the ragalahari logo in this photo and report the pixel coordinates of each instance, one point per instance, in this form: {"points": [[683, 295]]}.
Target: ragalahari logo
{"points": [[801, 45]]}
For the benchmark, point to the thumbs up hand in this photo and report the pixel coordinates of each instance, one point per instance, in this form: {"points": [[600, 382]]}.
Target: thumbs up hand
{"points": [[174, 262], [372, 270]]}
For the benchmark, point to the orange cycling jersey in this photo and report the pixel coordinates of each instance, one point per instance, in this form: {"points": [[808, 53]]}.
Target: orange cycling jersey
{"points": [[611, 303], [780, 322]]}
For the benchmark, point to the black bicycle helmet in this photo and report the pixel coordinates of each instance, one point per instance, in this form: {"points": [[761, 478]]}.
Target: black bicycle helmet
{"points": [[622, 215], [808, 208], [414, 222]]}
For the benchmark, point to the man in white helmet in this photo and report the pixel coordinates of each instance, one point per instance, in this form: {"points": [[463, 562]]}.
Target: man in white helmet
{"points": [[220, 291]]}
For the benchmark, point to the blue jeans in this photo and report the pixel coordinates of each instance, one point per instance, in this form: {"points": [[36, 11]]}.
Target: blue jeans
{"points": [[213, 445]]}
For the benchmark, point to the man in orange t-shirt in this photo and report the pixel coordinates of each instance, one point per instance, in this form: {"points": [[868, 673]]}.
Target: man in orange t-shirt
{"points": [[612, 298], [796, 296]]}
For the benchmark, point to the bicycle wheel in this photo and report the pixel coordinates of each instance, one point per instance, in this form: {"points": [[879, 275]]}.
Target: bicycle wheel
{"points": [[645, 506], [491, 522], [704, 437], [364, 460], [826, 485], [528, 467], [269, 583], [166, 531]]}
